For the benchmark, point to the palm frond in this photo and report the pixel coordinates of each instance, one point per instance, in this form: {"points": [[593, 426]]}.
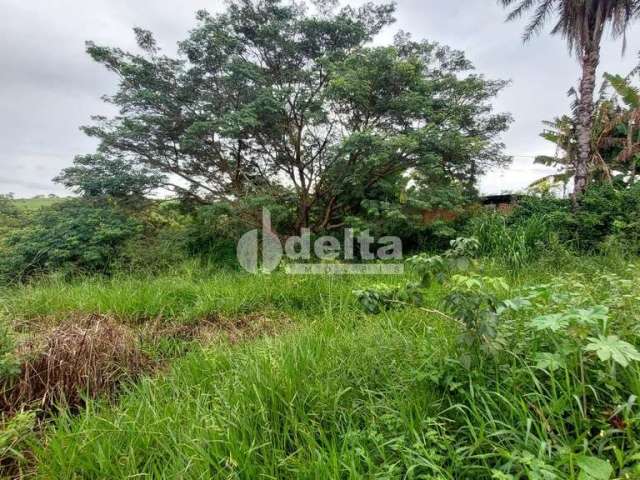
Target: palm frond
{"points": [[627, 92], [579, 22], [518, 11], [539, 19], [555, 178], [548, 161]]}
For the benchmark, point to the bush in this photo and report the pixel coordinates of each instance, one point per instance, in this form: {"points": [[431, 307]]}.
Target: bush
{"points": [[516, 239], [215, 229], [162, 245], [213, 233], [606, 213], [606, 220], [73, 236], [10, 215]]}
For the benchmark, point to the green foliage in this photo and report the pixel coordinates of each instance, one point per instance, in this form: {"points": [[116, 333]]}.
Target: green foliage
{"points": [[475, 300], [213, 231], [186, 294], [562, 133], [429, 268], [609, 213], [10, 215], [381, 297], [99, 177], [539, 226], [364, 396], [72, 236], [458, 258], [570, 329], [472, 300], [27, 205], [163, 242], [250, 107], [8, 362], [592, 468], [15, 435], [517, 243], [612, 348], [8, 209]]}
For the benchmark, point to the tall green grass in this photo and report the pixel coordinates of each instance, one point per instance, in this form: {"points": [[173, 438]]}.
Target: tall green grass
{"points": [[185, 295], [516, 244], [354, 396], [325, 403], [347, 395]]}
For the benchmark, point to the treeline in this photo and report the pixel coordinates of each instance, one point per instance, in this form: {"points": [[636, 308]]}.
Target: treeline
{"points": [[89, 236]]}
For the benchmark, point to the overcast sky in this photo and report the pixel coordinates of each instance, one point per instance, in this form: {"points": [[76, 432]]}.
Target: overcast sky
{"points": [[49, 86]]}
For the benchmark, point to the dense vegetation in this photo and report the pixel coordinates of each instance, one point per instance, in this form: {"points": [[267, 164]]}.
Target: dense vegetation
{"points": [[321, 388], [133, 344]]}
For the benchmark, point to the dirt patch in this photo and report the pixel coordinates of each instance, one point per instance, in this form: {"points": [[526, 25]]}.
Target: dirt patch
{"points": [[78, 358]]}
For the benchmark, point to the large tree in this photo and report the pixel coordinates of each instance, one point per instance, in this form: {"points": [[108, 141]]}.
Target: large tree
{"points": [[272, 99], [582, 23]]}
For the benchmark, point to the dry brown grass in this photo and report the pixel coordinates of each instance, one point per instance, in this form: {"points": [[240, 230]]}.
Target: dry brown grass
{"points": [[219, 328], [92, 355], [88, 357]]}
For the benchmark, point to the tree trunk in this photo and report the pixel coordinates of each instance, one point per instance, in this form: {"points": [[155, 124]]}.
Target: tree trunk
{"points": [[590, 61], [303, 213]]}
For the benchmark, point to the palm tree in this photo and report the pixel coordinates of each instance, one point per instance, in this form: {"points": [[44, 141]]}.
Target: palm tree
{"points": [[561, 132], [582, 23]]}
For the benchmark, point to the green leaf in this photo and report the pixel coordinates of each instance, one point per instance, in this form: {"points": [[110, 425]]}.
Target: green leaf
{"points": [[516, 304], [549, 361], [554, 322], [590, 316], [498, 475], [612, 348], [592, 468]]}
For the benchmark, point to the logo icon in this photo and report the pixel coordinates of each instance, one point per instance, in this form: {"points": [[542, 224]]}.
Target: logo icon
{"points": [[248, 249], [261, 251]]}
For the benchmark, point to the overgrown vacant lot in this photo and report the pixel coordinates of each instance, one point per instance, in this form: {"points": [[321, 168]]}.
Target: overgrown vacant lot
{"points": [[288, 377]]}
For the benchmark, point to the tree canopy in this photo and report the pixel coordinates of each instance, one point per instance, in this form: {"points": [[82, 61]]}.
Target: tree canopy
{"points": [[293, 103]]}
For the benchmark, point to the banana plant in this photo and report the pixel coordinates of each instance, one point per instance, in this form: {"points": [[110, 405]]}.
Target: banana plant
{"points": [[561, 132], [615, 135], [626, 123]]}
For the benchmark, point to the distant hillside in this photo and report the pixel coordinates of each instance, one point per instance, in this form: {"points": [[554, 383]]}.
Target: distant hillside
{"points": [[36, 202]]}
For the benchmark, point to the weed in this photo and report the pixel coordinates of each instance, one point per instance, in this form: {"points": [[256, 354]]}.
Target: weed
{"points": [[75, 360]]}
